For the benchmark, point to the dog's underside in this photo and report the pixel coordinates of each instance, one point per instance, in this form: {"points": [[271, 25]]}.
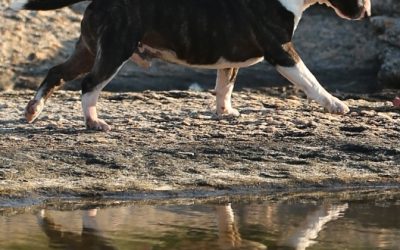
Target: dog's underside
{"points": [[213, 34]]}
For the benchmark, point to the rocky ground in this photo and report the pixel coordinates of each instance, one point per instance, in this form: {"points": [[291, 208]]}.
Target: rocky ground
{"points": [[171, 141]]}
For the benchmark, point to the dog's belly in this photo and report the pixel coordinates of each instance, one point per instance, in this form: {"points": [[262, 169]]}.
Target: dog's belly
{"points": [[222, 63]]}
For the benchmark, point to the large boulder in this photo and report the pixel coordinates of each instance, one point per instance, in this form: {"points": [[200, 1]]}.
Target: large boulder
{"points": [[387, 29], [386, 7]]}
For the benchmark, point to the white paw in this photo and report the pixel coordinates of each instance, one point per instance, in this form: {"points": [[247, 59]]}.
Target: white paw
{"points": [[33, 110], [336, 106], [97, 124], [228, 112]]}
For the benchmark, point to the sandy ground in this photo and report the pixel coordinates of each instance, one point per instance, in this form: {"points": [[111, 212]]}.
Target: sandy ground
{"points": [[171, 142]]}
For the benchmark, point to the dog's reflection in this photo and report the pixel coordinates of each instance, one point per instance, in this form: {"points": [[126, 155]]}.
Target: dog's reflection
{"points": [[307, 232], [89, 238], [228, 234], [299, 237]]}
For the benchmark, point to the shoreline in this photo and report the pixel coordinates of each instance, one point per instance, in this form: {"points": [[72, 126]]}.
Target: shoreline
{"points": [[171, 141], [17, 205]]}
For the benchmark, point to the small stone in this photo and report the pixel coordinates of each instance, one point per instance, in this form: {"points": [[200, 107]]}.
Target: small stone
{"points": [[384, 116], [186, 122], [13, 138], [191, 154], [271, 129], [367, 113]]}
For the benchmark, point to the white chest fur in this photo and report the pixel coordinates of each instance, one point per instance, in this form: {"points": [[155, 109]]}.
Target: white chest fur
{"points": [[296, 7]]}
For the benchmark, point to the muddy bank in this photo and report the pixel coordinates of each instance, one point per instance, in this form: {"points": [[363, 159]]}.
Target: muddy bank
{"points": [[171, 141]]}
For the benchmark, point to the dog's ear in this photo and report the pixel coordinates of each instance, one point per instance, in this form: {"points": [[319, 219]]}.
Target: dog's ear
{"points": [[351, 9]]}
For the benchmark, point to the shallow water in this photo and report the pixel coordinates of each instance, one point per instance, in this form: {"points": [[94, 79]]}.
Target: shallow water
{"points": [[299, 224]]}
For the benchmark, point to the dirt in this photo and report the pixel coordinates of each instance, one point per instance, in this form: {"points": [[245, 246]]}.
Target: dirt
{"points": [[171, 142], [32, 42]]}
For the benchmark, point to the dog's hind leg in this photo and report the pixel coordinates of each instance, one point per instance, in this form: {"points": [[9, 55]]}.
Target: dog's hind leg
{"points": [[290, 65], [80, 62], [223, 89], [113, 51]]}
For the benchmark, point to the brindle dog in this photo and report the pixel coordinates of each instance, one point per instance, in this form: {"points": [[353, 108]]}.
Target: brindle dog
{"points": [[213, 34]]}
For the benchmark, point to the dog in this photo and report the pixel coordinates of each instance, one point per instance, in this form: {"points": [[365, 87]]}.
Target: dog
{"points": [[212, 34]]}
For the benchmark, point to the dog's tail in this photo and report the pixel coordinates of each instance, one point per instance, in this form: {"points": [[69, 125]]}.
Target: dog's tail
{"points": [[41, 4]]}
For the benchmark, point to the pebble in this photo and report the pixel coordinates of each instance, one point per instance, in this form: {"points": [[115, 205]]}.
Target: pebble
{"points": [[368, 113], [384, 116], [186, 122]]}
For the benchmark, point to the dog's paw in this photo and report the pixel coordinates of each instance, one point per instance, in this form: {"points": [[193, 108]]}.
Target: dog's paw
{"points": [[98, 125], [228, 113], [33, 110], [336, 106]]}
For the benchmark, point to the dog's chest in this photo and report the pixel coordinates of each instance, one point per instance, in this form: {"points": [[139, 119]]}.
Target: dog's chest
{"points": [[296, 7]]}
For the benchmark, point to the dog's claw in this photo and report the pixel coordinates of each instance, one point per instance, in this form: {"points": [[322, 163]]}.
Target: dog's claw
{"points": [[336, 106], [33, 110], [99, 125]]}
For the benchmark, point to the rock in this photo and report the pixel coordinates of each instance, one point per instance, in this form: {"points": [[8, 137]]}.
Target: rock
{"points": [[386, 7], [389, 29], [389, 73]]}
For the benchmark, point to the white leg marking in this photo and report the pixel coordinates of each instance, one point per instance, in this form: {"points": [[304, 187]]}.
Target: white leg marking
{"points": [[228, 235], [89, 101], [223, 89], [301, 76], [35, 107], [304, 236], [296, 7], [89, 220], [18, 4]]}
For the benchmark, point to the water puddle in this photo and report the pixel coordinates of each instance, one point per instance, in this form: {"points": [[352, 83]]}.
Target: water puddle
{"points": [[280, 223]]}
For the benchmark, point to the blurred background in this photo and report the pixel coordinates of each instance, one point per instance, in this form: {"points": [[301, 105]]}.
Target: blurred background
{"points": [[358, 56]]}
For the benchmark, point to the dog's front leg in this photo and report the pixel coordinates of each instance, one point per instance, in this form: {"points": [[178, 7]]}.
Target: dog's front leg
{"points": [[298, 73], [223, 89], [79, 63], [301, 76]]}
